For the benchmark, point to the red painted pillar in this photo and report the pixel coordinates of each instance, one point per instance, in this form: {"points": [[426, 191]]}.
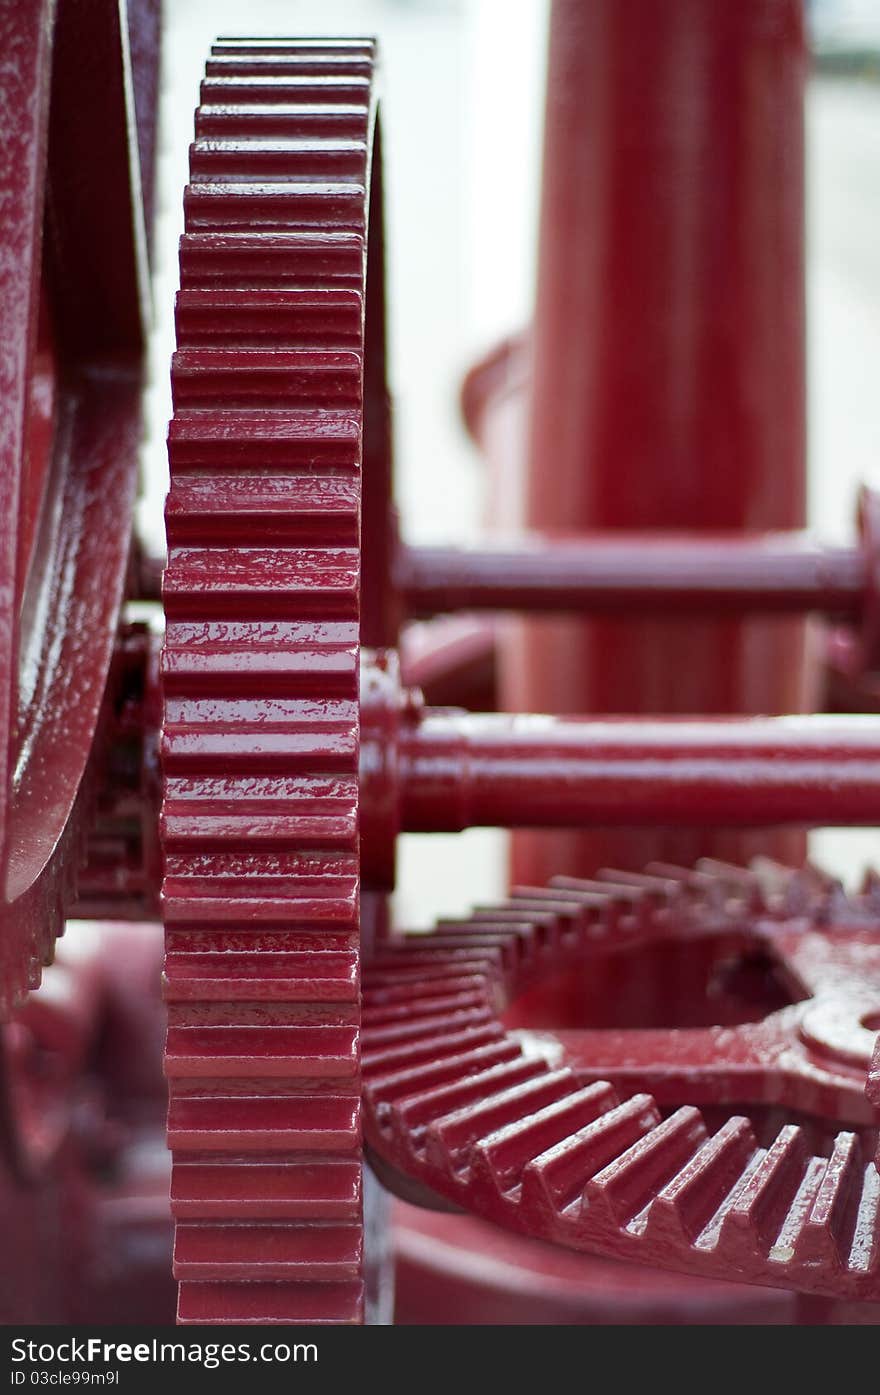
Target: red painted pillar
{"points": [[667, 372]]}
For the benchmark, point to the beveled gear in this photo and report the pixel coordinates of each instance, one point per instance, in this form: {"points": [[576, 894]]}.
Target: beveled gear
{"points": [[541, 1132]]}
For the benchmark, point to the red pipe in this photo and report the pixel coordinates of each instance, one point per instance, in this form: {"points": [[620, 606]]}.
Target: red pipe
{"points": [[667, 364], [460, 770], [641, 574]]}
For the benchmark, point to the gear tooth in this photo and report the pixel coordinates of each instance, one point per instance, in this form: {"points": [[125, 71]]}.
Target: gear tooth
{"points": [[686, 1204], [254, 1189], [800, 891], [834, 905], [453, 1004], [670, 872], [237, 581], [315, 84], [501, 1156], [412, 965], [276, 159], [409, 1084], [287, 439], [448, 1140], [414, 995], [326, 318], [261, 887], [871, 888], [872, 1087], [662, 892], [618, 912], [430, 1028], [762, 1205], [621, 1193], [736, 889], [225, 1304], [774, 876], [532, 931], [730, 872], [864, 1255], [264, 1124], [508, 947], [267, 119], [325, 976], [556, 1179], [308, 1052], [561, 916], [411, 1116], [299, 736], [303, 48], [789, 1240], [316, 259], [275, 207], [248, 1252], [206, 813], [700, 891], [244, 378], [266, 657], [437, 1048]]}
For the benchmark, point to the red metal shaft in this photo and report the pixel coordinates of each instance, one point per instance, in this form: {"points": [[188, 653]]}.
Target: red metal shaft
{"points": [[458, 770], [641, 574]]}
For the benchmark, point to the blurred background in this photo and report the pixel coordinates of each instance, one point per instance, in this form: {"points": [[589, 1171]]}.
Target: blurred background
{"points": [[463, 102]]}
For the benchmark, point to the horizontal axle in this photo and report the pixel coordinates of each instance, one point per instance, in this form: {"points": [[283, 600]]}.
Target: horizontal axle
{"points": [[435, 769], [458, 770], [640, 574]]}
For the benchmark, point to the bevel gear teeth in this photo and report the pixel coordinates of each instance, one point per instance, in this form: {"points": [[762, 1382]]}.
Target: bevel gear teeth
{"points": [[496, 1122], [260, 680]]}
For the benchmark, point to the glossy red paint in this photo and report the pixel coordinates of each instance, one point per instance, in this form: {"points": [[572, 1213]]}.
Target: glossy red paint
{"points": [[73, 320], [591, 1138], [261, 966], [458, 770], [571, 1063], [640, 574], [425, 769], [276, 416]]}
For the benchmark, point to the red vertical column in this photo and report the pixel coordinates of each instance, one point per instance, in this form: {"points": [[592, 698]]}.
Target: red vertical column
{"points": [[667, 373]]}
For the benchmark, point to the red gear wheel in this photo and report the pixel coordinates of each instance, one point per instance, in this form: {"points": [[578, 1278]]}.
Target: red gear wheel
{"points": [[539, 1132], [70, 380], [260, 675]]}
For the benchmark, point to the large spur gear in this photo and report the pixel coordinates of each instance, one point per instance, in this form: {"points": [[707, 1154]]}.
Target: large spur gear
{"points": [[260, 675]]}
